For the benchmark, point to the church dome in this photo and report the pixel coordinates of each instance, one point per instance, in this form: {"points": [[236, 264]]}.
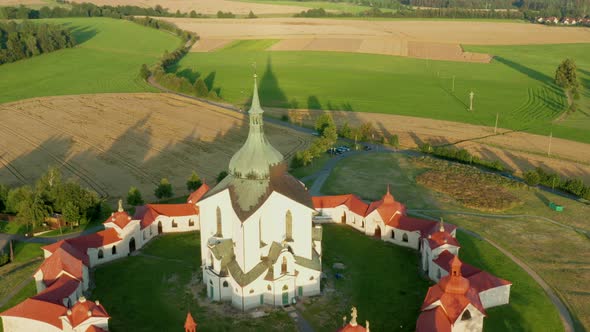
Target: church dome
{"points": [[255, 158]]}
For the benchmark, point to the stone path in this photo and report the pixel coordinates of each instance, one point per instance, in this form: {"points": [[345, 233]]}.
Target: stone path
{"points": [[302, 324]]}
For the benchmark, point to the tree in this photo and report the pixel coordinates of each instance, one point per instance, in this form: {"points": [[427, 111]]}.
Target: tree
{"points": [[194, 182], [201, 88], [251, 15], [322, 122], [193, 14], [164, 189], [144, 72], [3, 197], [16, 196], [71, 214], [394, 141], [531, 178], [565, 75], [134, 197], [32, 211], [221, 176]]}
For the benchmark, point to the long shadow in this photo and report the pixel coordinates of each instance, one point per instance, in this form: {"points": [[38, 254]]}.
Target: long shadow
{"points": [[83, 34], [270, 91], [534, 74]]}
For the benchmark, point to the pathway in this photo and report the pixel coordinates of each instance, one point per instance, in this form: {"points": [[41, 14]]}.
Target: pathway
{"points": [[302, 324]]}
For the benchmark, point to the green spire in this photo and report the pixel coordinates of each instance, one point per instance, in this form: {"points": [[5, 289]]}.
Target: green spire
{"points": [[255, 106]]}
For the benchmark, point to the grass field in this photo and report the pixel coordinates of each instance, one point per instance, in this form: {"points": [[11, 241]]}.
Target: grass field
{"points": [[557, 253], [331, 6], [107, 59], [517, 84], [162, 282]]}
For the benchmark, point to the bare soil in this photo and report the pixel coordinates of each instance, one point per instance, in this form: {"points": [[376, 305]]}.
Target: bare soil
{"points": [[110, 142], [439, 40], [519, 151]]}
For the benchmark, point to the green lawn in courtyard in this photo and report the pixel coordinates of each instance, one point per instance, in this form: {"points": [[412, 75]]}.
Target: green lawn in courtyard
{"points": [[154, 290], [107, 59], [382, 280], [517, 84]]}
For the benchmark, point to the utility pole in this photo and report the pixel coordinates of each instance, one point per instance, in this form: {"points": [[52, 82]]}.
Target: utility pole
{"points": [[550, 139], [496, 126], [471, 94]]}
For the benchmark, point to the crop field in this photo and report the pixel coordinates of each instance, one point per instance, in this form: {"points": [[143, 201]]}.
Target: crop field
{"points": [[517, 85], [110, 142], [107, 59]]}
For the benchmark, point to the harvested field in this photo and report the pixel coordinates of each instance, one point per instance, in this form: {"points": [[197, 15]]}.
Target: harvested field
{"points": [[420, 39], [206, 6], [110, 142], [519, 151]]}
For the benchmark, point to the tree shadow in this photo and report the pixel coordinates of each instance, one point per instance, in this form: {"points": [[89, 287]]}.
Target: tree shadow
{"points": [[189, 74], [83, 34], [313, 103], [210, 80], [534, 74]]}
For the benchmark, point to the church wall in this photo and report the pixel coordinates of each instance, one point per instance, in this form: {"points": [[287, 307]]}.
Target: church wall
{"points": [[413, 237], [178, 224], [470, 325], [308, 280], [122, 251], [19, 324], [273, 215], [208, 217], [250, 244], [495, 296], [372, 221]]}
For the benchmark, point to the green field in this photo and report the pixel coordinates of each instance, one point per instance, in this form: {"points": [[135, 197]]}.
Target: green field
{"points": [[517, 84], [346, 7], [107, 59]]}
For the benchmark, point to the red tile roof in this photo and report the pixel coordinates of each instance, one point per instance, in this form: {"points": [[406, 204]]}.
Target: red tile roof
{"points": [[84, 309], [441, 237], [149, 212], [119, 218], [351, 328], [94, 328], [433, 320], [454, 293], [69, 248], [190, 322], [479, 280], [416, 225], [352, 202], [389, 209], [37, 310], [196, 195], [61, 261], [95, 240], [63, 287]]}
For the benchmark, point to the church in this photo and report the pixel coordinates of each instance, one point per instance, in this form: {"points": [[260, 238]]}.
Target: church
{"points": [[258, 243]]}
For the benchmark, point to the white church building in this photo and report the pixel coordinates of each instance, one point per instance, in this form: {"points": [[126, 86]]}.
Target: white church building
{"points": [[258, 243]]}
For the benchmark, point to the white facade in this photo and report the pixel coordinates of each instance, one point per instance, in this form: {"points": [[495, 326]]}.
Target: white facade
{"points": [[17, 324]]}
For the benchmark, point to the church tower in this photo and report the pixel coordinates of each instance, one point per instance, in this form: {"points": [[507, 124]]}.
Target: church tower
{"points": [[258, 242]]}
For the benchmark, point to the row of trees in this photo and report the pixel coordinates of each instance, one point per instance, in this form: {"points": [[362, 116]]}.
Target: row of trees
{"points": [[88, 10], [24, 40], [419, 13], [33, 204], [573, 186], [460, 155], [328, 133]]}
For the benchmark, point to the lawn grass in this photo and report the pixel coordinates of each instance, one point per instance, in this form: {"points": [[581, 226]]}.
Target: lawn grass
{"points": [[382, 280], [517, 84], [107, 59], [29, 290], [558, 254], [12, 227], [25, 251], [162, 284]]}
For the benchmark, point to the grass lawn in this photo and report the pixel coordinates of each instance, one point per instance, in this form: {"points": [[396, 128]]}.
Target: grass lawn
{"points": [[517, 84], [163, 285], [107, 59], [12, 227], [24, 251], [29, 290]]}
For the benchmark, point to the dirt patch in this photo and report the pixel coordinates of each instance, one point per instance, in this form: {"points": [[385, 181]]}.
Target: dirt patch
{"points": [[440, 40], [517, 150], [210, 45], [205, 6], [110, 142], [469, 186]]}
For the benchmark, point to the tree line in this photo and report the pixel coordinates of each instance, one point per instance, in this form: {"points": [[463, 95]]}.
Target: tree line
{"points": [[573, 186], [420, 13], [24, 40], [32, 205]]}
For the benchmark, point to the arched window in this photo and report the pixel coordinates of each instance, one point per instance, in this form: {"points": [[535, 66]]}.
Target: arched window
{"points": [[69, 302], [362, 223], [311, 278], [289, 226], [393, 234], [210, 282], [225, 284], [174, 224], [151, 231], [251, 291], [191, 222], [269, 288], [466, 315], [218, 234], [405, 237], [284, 265], [285, 287], [100, 254], [114, 250], [144, 234]]}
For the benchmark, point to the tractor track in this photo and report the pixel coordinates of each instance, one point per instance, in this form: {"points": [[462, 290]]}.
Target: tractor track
{"points": [[13, 170]]}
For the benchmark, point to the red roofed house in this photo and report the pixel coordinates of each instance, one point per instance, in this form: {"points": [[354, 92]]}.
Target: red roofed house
{"points": [[85, 315], [461, 307], [61, 263], [33, 315], [440, 238]]}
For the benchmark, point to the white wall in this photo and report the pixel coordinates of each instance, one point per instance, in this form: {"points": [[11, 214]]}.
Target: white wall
{"points": [[18, 324], [471, 325], [495, 296]]}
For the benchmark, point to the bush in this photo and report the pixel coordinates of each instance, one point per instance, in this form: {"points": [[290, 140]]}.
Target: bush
{"points": [[144, 72], [134, 197], [4, 259], [531, 178], [221, 176], [201, 88], [285, 117], [221, 14], [164, 189], [194, 182], [251, 15]]}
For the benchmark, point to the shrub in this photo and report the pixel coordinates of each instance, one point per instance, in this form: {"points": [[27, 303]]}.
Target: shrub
{"points": [[164, 189], [531, 178], [201, 88], [134, 197], [144, 72], [251, 15], [285, 117], [193, 182]]}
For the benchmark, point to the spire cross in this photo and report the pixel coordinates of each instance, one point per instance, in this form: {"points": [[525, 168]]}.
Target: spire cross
{"points": [[442, 225]]}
